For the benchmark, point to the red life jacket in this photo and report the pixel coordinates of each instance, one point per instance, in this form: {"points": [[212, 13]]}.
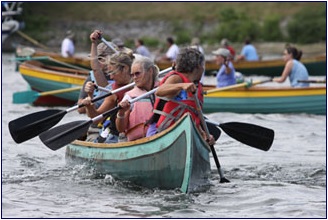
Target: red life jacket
{"points": [[174, 108]]}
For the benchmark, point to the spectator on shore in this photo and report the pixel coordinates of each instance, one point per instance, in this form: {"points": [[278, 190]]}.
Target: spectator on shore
{"points": [[248, 52], [67, 46], [225, 43], [294, 69], [141, 48]]}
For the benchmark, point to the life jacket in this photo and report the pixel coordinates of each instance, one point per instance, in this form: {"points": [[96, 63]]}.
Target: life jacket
{"points": [[109, 122], [170, 110], [141, 111]]}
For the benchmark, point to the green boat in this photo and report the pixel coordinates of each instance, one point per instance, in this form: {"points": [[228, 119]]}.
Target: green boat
{"points": [[175, 158], [266, 100]]}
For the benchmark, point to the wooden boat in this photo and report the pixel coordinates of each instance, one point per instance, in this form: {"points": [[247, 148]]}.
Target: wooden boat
{"points": [[316, 66], [42, 78], [51, 58], [267, 100], [175, 158]]}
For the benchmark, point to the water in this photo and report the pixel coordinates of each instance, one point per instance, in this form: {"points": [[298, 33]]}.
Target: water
{"points": [[288, 181]]}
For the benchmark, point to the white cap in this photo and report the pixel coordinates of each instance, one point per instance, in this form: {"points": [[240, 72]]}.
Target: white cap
{"points": [[222, 51]]}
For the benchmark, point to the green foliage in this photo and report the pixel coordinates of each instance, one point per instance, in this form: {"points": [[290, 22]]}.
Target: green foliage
{"points": [[308, 26], [150, 42], [271, 30], [183, 35], [236, 27]]}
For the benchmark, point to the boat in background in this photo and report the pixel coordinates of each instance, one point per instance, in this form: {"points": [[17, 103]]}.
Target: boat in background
{"points": [[24, 53], [267, 100], [9, 25], [316, 66], [177, 158], [44, 78]]}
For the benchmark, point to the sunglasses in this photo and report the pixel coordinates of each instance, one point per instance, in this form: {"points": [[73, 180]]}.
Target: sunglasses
{"points": [[136, 74]]}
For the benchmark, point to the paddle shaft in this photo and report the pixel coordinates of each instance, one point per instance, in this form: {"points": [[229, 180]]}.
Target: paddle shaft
{"points": [[31, 40], [58, 91], [108, 44], [239, 85], [62, 135], [216, 159]]}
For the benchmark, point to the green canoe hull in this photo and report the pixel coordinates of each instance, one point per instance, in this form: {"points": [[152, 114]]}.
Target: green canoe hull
{"points": [[175, 158], [268, 100]]}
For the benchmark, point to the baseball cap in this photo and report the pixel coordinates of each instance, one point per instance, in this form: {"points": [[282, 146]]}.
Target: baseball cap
{"points": [[222, 51]]}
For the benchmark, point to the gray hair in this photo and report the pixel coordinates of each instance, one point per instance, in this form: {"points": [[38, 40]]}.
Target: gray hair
{"points": [[189, 59], [147, 64]]}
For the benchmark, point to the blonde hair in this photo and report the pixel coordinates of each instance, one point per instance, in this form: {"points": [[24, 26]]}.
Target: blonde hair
{"points": [[121, 59]]}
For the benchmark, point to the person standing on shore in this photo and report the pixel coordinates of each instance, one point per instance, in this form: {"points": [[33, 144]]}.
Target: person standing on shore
{"points": [[294, 69], [67, 46]]}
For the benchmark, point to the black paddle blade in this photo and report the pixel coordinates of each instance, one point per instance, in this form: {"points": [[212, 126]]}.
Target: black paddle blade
{"points": [[62, 135], [250, 134], [215, 131], [30, 126]]}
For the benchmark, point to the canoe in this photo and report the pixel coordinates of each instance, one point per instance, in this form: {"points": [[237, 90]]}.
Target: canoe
{"points": [[43, 78], [316, 66], [177, 158], [51, 58], [267, 100]]}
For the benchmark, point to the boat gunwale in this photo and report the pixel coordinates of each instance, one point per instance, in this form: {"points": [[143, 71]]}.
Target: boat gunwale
{"points": [[29, 66], [138, 141]]}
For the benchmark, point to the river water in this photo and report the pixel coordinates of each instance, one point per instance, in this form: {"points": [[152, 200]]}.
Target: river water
{"points": [[288, 181]]}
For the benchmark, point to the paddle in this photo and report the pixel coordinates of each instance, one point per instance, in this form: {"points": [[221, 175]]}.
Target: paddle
{"points": [[216, 159], [239, 85], [62, 135], [31, 96], [252, 135], [108, 44], [31, 40], [31, 125], [312, 81]]}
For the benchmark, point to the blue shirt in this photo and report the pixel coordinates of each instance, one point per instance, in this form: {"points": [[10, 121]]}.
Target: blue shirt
{"points": [[250, 53], [299, 72], [225, 79]]}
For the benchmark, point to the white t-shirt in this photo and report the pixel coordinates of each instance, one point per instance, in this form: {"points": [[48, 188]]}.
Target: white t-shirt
{"points": [[67, 45], [172, 52]]}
